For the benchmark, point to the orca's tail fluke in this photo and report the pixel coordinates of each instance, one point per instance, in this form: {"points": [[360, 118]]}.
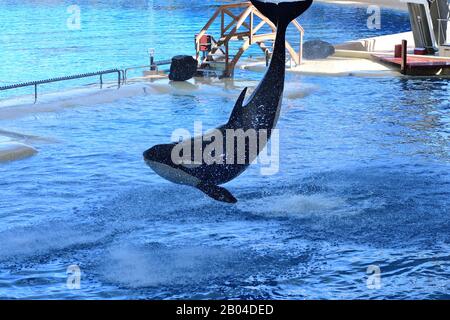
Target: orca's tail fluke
{"points": [[282, 12]]}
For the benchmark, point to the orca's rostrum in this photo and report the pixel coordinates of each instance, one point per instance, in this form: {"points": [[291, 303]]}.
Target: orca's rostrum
{"points": [[177, 163]]}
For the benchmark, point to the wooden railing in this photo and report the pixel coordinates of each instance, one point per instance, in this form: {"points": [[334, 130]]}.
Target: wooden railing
{"points": [[244, 26]]}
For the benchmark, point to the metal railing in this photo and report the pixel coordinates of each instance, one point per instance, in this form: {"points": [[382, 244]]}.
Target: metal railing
{"points": [[122, 77], [59, 79]]}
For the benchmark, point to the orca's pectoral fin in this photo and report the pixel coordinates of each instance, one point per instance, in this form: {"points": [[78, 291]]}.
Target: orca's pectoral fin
{"points": [[237, 107], [217, 193]]}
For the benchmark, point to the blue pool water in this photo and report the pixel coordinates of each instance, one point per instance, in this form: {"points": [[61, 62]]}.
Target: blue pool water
{"points": [[36, 42], [364, 175]]}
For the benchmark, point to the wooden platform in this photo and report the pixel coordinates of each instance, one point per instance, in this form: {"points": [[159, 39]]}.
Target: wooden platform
{"points": [[240, 22], [417, 65]]}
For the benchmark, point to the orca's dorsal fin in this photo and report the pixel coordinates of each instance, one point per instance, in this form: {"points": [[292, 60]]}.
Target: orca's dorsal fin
{"points": [[238, 106], [217, 193]]}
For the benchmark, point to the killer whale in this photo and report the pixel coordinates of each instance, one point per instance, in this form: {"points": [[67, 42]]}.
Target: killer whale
{"points": [[260, 113]]}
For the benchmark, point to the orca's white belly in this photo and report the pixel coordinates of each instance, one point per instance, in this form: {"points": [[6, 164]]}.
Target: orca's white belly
{"points": [[172, 174]]}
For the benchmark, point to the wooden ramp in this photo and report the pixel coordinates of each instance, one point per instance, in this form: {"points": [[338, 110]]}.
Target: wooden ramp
{"points": [[240, 22], [417, 65]]}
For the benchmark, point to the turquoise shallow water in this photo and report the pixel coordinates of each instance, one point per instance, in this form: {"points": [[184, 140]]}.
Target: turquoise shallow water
{"points": [[364, 176]]}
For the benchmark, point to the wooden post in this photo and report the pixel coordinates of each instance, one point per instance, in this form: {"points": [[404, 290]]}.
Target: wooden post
{"points": [[300, 50], [227, 57], [404, 65], [251, 28], [222, 24]]}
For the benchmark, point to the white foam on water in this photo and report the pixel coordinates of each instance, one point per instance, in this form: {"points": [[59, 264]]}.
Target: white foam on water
{"points": [[293, 205], [141, 266], [299, 205], [294, 90], [42, 239]]}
